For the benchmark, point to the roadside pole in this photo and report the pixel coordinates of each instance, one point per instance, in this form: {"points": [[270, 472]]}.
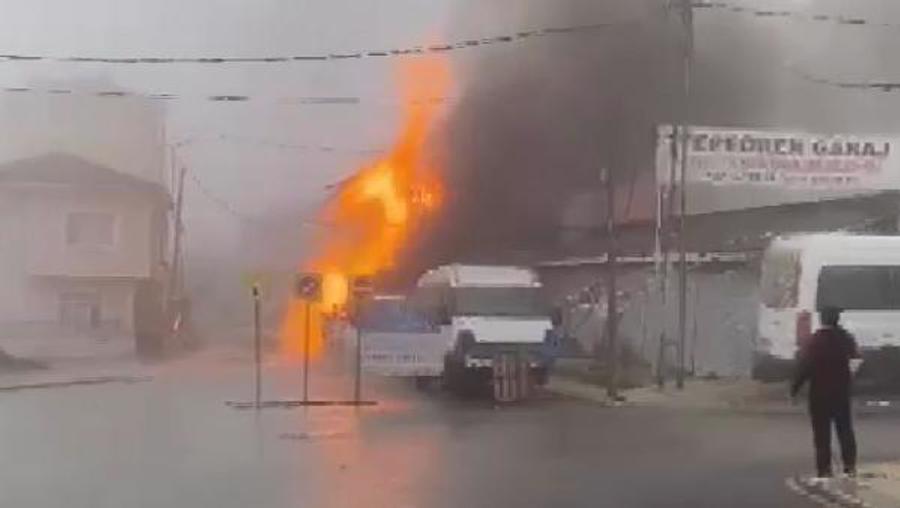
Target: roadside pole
{"points": [[308, 289], [694, 334], [308, 293], [687, 16], [363, 287], [307, 329], [257, 347], [357, 381], [612, 389], [173, 291]]}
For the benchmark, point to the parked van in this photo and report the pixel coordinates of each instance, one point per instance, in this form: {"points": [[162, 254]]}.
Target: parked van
{"points": [[488, 313], [803, 273]]}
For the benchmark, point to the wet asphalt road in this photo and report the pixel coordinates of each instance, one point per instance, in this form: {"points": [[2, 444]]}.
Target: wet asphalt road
{"points": [[172, 442]]}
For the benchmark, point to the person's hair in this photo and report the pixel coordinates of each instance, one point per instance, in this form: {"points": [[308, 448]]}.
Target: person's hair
{"points": [[830, 316]]}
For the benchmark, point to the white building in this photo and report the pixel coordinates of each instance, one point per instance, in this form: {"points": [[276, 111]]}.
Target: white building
{"points": [[77, 241]]}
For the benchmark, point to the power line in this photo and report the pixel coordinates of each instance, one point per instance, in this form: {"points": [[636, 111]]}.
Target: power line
{"points": [[220, 98], [326, 149], [221, 203], [883, 86], [466, 44], [226, 207], [811, 17], [797, 15]]}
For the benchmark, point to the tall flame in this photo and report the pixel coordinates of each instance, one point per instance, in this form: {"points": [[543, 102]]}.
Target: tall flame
{"points": [[374, 213]]}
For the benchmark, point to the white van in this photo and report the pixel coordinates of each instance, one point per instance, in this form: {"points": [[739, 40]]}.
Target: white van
{"points": [[803, 273], [486, 311]]}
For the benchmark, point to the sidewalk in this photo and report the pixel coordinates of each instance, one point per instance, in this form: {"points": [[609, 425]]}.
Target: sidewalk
{"points": [[740, 395], [878, 486], [75, 374], [71, 362], [698, 394]]}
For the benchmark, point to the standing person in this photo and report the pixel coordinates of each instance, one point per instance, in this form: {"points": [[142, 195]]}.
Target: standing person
{"points": [[826, 363]]}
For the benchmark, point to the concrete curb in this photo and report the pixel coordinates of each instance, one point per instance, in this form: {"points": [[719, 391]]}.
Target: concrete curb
{"points": [[703, 396], [647, 398], [75, 381]]}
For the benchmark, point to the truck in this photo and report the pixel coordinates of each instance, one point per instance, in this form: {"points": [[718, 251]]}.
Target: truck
{"points": [[801, 274], [496, 325], [399, 342]]}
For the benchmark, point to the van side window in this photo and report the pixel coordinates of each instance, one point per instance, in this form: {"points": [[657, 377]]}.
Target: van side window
{"points": [[430, 301], [859, 287], [780, 279]]}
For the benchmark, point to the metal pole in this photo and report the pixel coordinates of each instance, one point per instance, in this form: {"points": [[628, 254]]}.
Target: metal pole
{"points": [[357, 385], [695, 333], [688, 20], [175, 269], [612, 389], [660, 362], [665, 221], [257, 347], [306, 338]]}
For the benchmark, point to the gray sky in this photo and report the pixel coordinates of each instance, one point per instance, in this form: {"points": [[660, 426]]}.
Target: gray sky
{"points": [[257, 179], [253, 178]]}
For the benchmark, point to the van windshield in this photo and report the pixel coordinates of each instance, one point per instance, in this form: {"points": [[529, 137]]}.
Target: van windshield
{"points": [[859, 287], [493, 301], [390, 315]]}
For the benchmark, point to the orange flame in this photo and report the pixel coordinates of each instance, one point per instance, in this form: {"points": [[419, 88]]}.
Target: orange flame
{"points": [[375, 212]]}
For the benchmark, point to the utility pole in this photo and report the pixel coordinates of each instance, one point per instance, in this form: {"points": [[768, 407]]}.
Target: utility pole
{"points": [[257, 348], [357, 366], [665, 219], [687, 18], [612, 387], [175, 269], [307, 332]]}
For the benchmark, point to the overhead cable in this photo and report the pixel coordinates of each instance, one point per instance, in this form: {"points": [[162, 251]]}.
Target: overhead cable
{"points": [[331, 56]]}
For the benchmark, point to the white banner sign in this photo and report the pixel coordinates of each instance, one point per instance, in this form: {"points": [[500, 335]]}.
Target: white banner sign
{"points": [[721, 156]]}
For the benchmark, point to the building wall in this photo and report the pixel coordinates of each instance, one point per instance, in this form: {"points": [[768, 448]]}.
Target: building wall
{"points": [[48, 253], [12, 255], [38, 267], [722, 306], [41, 306]]}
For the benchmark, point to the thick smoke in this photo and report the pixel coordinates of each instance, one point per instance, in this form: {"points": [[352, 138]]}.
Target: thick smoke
{"points": [[539, 119], [546, 117]]}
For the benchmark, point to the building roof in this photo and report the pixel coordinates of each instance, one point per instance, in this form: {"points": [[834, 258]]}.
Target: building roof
{"points": [[65, 169], [748, 229], [636, 200]]}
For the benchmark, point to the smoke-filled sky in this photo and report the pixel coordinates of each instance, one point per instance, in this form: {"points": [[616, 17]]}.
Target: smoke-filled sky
{"points": [[540, 113], [534, 129], [253, 177]]}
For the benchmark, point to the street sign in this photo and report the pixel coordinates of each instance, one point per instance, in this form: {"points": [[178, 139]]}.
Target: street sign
{"points": [[308, 287], [799, 160]]}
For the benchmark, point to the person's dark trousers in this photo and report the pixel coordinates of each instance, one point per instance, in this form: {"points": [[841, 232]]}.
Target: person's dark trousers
{"points": [[823, 413]]}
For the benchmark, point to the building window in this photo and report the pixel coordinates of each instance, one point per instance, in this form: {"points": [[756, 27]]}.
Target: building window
{"points": [[90, 228], [80, 309]]}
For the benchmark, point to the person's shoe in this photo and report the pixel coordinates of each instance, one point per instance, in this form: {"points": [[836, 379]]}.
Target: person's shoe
{"points": [[819, 481], [850, 474]]}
